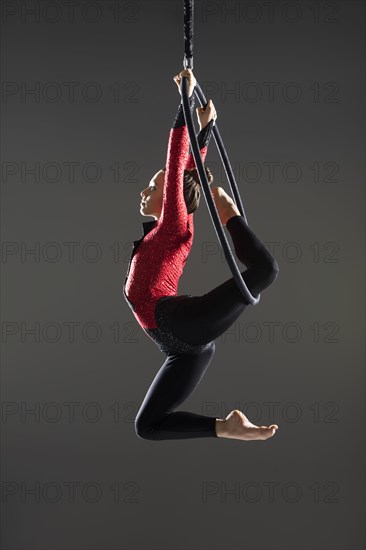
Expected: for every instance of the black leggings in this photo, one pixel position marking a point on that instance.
(199, 320)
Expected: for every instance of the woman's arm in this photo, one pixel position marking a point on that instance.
(174, 215)
(203, 138)
(206, 118)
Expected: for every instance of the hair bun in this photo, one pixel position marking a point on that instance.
(192, 187)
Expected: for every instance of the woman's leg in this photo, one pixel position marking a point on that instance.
(176, 380)
(201, 319)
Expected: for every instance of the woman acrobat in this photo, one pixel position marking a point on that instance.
(185, 327)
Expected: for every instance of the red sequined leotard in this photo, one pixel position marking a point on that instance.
(158, 257)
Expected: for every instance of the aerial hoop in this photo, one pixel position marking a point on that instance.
(188, 64)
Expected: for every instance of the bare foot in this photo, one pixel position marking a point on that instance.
(237, 426)
(225, 205)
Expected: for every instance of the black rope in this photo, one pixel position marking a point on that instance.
(188, 34)
(188, 63)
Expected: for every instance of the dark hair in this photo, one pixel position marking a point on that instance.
(192, 187)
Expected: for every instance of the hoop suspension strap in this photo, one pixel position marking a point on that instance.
(188, 34)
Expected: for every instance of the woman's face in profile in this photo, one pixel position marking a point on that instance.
(152, 196)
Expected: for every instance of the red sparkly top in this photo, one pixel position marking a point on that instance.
(158, 257)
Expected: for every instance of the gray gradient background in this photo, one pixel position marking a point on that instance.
(162, 504)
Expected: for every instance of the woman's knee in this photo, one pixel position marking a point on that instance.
(273, 269)
(140, 427)
(143, 428)
(267, 272)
